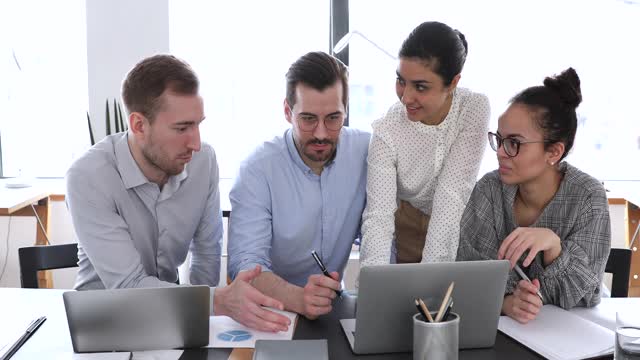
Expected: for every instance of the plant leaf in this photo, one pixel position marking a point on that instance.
(107, 119)
(115, 115)
(93, 141)
(123, 124)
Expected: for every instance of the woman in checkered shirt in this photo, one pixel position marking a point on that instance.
(537, 210)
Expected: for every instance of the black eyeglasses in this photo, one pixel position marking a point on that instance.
(309, 123)
(511, 145)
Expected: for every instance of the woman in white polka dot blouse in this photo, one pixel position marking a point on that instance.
(424, 154)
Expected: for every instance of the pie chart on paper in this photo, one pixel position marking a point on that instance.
(235, 335)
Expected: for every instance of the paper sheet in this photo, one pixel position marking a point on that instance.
(604, 313)
(554, 334)
(225, 332)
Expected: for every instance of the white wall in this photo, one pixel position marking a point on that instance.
(119, 34)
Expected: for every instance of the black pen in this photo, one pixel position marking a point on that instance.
(35, 324)
(446, 313)
(323, 269)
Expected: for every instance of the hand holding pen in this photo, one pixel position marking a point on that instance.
(319, 292)
(526, 278)
(323, 269)
(524, 304)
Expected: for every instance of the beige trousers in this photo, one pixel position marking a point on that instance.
(411, 232)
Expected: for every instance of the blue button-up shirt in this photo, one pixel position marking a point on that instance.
(281, 210)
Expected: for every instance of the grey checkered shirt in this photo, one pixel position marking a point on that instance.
(578, 214)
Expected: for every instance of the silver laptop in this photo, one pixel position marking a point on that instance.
(386, 296)
(138, 319)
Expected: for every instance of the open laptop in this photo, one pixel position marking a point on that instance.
(138, 319)
(385, 303)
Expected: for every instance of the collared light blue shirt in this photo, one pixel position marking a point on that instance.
(281, 210)
(133, 234)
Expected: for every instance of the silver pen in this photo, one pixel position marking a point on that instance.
(525, 277)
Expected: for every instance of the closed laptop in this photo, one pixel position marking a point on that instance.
(138, 319)
(291, 350)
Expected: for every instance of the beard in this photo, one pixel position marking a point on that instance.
(314, 155)
(161, 160)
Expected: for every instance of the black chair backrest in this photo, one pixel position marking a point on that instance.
(35, 258)
(619, 265)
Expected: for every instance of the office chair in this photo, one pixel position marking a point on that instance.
(35, 258)
(619, 265)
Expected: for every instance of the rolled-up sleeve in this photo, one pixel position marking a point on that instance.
(250, 224)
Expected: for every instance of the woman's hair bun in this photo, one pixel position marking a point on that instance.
(567, 86)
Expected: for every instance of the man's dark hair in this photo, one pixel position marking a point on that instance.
(319, 71)
(147, 81)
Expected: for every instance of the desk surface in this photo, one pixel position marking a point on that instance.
(329, 327)
(12, 200)
(16, 198)
(52, 340)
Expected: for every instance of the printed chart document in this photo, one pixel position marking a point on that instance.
(225, 332)
(558, 334)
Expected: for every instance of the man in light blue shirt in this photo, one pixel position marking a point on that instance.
(142, 199)
(303, 191)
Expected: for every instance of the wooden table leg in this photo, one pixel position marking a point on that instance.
(633, 219)
(43, 209)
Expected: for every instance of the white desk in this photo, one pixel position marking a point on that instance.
(52, 340)
(17, 202)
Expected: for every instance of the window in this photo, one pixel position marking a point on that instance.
(241, 51)
(514, 48)
(43, 92)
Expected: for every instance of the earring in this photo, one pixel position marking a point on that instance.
(552, 163)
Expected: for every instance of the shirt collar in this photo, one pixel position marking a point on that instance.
(129, 170)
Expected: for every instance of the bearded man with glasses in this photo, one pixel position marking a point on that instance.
(302, 191)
